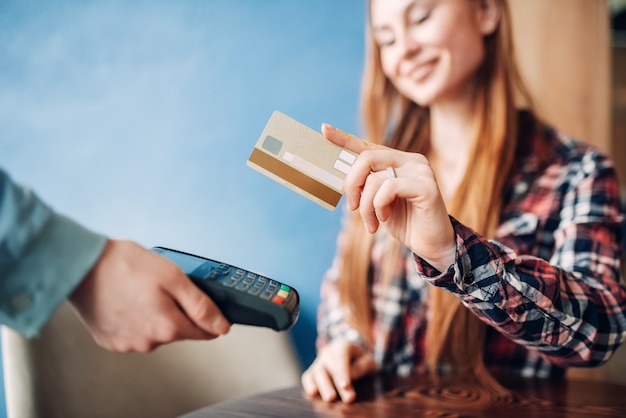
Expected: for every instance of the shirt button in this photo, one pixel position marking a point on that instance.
(469, 278)
(521, 187)
(21, 301)
(520, 309)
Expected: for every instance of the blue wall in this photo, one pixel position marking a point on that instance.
(136, 119)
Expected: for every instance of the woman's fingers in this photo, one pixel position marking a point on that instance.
(344, 139)
(368, 162)
(368, 174)
(398, 189)
(373, 183)
(318, 379)
(363, 366)
(308, 384)
(332, 373)
(323, 383)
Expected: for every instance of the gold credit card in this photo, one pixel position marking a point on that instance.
(301, 159)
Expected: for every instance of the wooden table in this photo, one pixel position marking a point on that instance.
(417, 396)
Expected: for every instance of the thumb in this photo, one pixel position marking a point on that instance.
(344, 139)
(362, 366)
(199, 307)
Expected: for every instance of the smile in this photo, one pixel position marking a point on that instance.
(422, 70)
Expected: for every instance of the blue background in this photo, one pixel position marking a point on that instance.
(136, 119)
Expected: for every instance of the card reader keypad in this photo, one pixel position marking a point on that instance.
(242, 296)
(249, 282)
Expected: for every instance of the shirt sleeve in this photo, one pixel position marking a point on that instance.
(571, 307)
(332, 315)
(43, 257)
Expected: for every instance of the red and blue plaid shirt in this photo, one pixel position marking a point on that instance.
(547, 286)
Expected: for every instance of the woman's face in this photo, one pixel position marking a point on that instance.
(432, 49)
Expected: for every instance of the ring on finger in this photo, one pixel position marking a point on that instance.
(391, 173)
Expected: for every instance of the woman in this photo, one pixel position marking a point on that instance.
(499, 247)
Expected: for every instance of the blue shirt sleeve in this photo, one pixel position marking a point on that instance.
(43, 257)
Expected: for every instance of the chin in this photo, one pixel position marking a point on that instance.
(424, 95)
(423, 99)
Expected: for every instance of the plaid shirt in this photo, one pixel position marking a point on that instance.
(547, 285)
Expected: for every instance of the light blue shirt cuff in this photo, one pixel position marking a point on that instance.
(53, 265)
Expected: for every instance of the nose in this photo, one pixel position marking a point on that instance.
(408, 42)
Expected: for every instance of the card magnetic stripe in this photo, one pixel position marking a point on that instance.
(295, 177)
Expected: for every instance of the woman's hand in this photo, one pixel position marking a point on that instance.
(399, 190)
(335, 368)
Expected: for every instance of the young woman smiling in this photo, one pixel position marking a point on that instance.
(480, 239)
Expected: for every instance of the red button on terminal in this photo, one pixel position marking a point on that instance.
(278, 300)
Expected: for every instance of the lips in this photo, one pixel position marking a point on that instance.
(421, 70)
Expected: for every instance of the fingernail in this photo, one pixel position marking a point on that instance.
(221, 325)
(329, 396)
(348, 396)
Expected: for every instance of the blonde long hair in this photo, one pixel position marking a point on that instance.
(454, 334)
